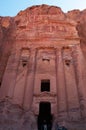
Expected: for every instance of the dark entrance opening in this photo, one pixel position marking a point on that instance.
(45, 85)
(44, 117)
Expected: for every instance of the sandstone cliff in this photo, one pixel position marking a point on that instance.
(80, 18)
(28, 25)
(10, 28)
(6, 41)
(16, 27)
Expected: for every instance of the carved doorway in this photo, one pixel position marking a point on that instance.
(44, 117)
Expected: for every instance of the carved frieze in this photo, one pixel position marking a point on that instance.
(45, 96)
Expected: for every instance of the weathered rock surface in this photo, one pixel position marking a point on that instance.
(6, 42)
(50, 39)
(18, 26)
(80, 18)
(13, 117)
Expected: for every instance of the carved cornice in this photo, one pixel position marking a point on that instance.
(45, 94)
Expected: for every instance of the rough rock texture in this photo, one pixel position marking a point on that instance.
(13, 117)
(10, 27)
(6, 41)
(80, 18)
(40, 44)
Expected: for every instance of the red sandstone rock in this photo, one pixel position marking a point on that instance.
(43, 44)
(80, 18)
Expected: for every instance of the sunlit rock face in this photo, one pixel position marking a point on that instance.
(80, 18)
(43, 69)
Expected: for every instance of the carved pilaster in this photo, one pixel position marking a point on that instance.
(81, 79)
(21, 76)
(28, 95)
(71, 86)
(61, 92)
